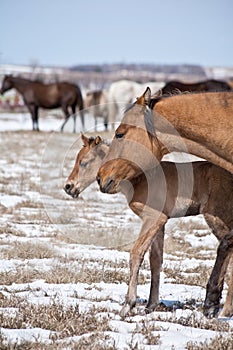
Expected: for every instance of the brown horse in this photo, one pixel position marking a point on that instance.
(96, 101)
(175, 86)
(36, 94)
(211, 189)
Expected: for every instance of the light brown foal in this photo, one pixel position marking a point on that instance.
(155, 197)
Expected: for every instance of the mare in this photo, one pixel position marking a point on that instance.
(49, 96)
(210, 193)
(96, 102)
(122, 92)
(208, 85)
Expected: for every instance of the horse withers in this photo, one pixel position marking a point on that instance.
(49, 96)
(210, 183)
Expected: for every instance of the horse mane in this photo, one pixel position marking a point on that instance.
(25, 80)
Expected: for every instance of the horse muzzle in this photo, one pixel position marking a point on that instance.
(71, 190)
(106, 186)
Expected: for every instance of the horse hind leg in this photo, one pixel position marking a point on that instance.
(67, 115)
(81, 112)
(227, 310)
(215, 283)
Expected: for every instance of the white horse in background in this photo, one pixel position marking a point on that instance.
(123, 92)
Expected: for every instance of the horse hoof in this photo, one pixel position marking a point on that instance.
(211, 312)
(125, 311)
(149, 309)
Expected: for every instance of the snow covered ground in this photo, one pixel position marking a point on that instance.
(64, 262)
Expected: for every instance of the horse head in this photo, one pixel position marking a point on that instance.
(135, 147)
(7, 84)
(87, 163)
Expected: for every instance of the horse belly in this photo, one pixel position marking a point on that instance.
(49, 98)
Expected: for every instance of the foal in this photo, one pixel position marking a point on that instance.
(211, 196)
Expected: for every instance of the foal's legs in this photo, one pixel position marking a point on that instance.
(150, 228)
(156, 260)
(215, 283)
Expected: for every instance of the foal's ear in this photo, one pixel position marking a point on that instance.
(144, 100)
(85, 140)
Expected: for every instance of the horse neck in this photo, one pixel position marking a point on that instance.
(20, 84)
(187, 123)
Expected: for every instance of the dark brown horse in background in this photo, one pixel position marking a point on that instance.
(49, 96)
(175, 86)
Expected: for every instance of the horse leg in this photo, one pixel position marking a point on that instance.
(227, 310)
(150, 228)
(67, 115)
(81, 111)
(36, 118)
(156, 260)
(112, 113)
(74, 117)
(34, 115)
(215, 283)
(106, 122)
(220, 230)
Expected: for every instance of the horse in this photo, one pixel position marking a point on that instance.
(96, 102)
(208, 85)
(122, 92)
(210, 193)
(36, 94)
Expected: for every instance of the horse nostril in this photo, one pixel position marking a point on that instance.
(98, 180)
(68, 187)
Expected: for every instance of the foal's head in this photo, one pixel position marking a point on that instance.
(87, 163)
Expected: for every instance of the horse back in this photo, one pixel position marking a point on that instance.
(183, 189)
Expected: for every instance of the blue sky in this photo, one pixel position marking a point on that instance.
(69, 32)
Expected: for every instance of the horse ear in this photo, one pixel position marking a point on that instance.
(144, 100)
(157, 94)
(98, 140)
(85, 140)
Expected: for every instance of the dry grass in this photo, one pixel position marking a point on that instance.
(197, 276)
(65, 321)
(21, 275)
(220, 342)
(8, 230)
(28, 250)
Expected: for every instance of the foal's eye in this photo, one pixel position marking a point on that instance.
(83, 164)
(119, 135)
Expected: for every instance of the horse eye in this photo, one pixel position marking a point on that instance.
(119, 135)
(83, 164)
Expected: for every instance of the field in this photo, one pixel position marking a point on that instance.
(64, 262)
